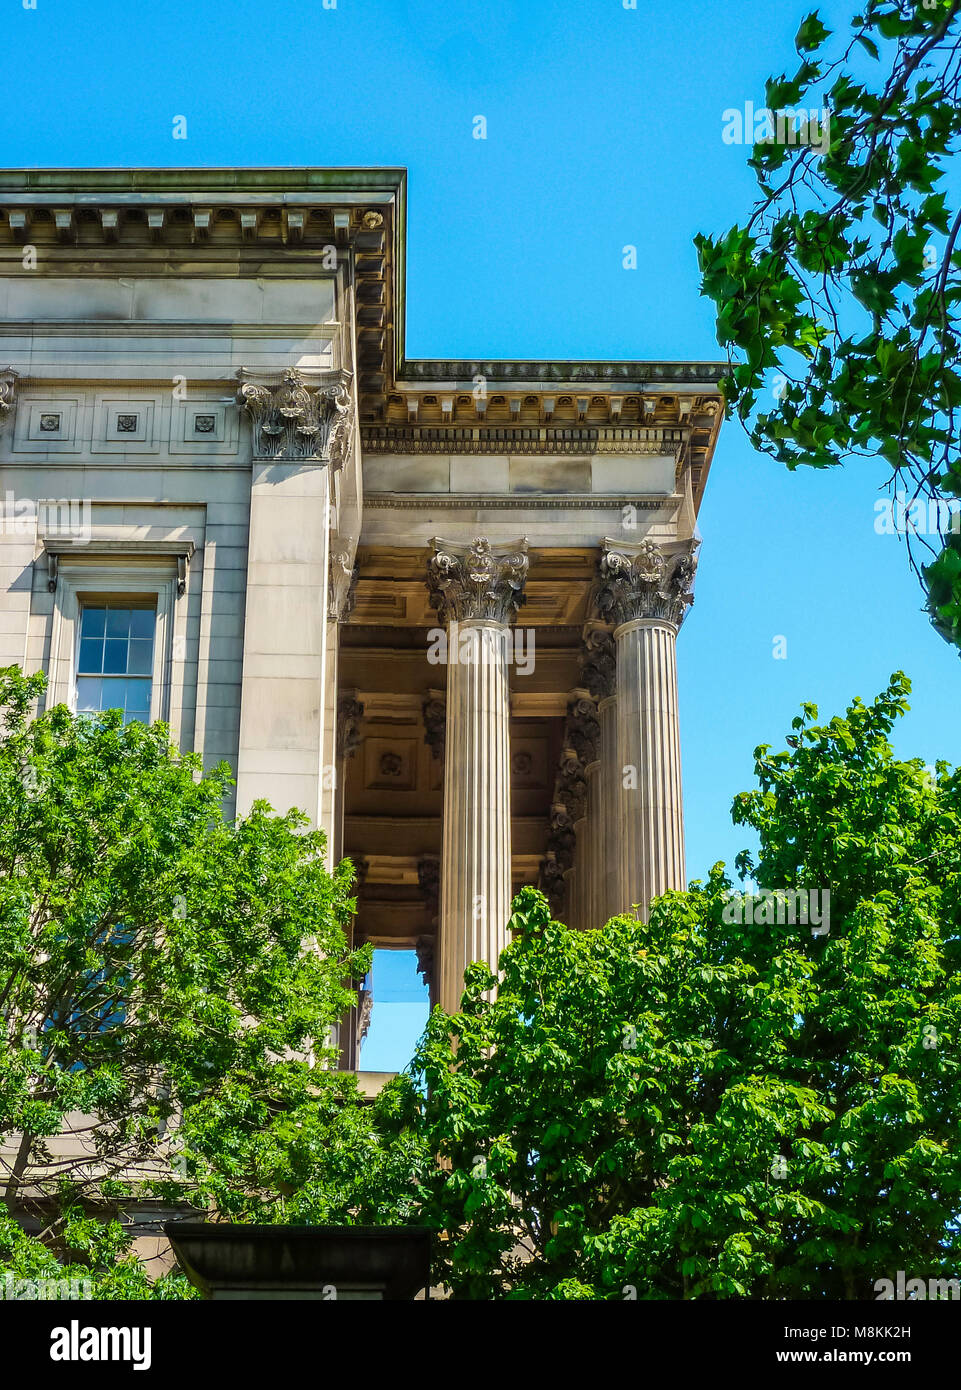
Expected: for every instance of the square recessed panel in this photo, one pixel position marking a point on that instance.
(203, 427)
(390, 764)
(48, 424)
(528, 763)
(125, 426)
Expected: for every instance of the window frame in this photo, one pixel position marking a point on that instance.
(82, 582)
(122, 603)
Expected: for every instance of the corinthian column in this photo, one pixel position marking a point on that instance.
(476, 590)
(646, 591)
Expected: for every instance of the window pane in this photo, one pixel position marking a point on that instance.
(114, 656)
(92, 622)
(401, 1005)
(88, 695)
(113, 694)
(138, 696)
(140, 661)
(123, 653)
(91, 654)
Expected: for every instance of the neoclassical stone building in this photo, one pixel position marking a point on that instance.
(434, 604)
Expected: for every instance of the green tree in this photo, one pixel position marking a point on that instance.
(720, 1104)
(844, 281)
(168, 984)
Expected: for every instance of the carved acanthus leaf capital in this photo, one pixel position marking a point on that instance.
(300, 419)
(477, 580)
(645, 581)
(8, 392)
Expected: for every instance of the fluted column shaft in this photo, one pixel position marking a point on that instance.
(476, 862)
(647, 589)
(476, 590)
(649, 754)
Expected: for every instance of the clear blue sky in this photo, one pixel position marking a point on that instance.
(604, 128)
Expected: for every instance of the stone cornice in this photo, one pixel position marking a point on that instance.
(645, 581)
(277, 221)
(478, 580)
(188, 219)
(461, 374)
(520, 501)
(275, 181)
(654, 420)
(389, 440)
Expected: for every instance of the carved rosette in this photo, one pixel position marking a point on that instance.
(350, 711)
(641, 581)
(295, 421)
(477, 580)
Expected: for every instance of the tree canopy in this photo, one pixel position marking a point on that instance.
(722, 1102)
(169, 980)
(839, 296)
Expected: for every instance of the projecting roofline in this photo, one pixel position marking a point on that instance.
(181, 182)
(291, 214)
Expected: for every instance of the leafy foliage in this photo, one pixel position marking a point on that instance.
(845, 282)
(706, 1108)
(168, 983)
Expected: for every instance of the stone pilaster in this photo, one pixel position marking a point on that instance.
(300, 431)
(646, 590)
(342, 579)
(476, 590)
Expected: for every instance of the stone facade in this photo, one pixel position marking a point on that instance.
(433, 604)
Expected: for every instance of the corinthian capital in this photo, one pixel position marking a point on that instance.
(8, 390)
(300, 420)
(644, 581)
(477, 580)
